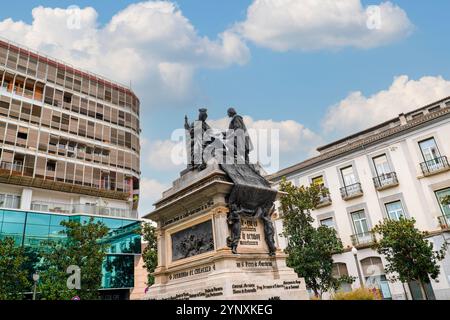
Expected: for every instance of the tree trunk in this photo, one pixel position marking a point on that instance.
(316, 293)
(422, 289)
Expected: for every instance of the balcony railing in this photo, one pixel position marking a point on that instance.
(8, 166)
(385, 180)
(324, 200)
(363, 239)
(434, 166)
(82, 209)
(351, 191)
(18, 169)
(444, 222)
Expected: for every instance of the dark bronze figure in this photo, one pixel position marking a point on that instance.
(196, 142)
(251, 196)
(241, 143)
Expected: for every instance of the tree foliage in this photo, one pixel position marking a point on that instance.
(409, 254)
(82, 248)
(150, 253)
(13, 274)
(309, 249)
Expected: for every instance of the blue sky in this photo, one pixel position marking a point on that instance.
(298, 83)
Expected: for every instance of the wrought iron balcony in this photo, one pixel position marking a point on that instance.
(385, 180)
(435, 165)
(351, 191)
(324, 200)
(444, 222)
(363, 239)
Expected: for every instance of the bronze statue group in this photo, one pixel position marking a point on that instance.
(251, 196)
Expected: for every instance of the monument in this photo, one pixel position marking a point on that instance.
(216, 238)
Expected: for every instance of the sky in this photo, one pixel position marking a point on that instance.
(314, 70)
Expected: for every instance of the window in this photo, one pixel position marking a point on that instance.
(340, 270)
(360, 223)
(348, 176)
(429, 149)
(318, 181)
(67, 97)
(381, 165)
(440, 195)
(327, 223)
(22, 135)
(51, 165)
(394, 210)
(374, 274)
(9, 201)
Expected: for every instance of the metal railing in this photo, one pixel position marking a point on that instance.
(20, 169)
(385, 180)
(365, 238)
(324, 200)
(434, 165)
(9, 166)
(352, 190)
(16, 168)
(67, 208)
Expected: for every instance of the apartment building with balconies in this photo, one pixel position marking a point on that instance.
(397, 168)
(69, 149)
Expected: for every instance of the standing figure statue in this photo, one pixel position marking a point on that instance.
(196, 142)
(238, 138)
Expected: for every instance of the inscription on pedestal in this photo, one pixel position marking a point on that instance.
(252, 235)
(192, 272)
(254, 264)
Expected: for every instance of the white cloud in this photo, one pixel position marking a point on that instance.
(165, 155)
(358, 112)
(284, 25)
(150, 191)
(150, 42)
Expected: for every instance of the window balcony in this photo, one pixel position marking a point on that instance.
(351, 191)
(324, 201)
(363, 239)
(444, 222)
(12, 168)
(385, 181)
(66, 208)
(435, 166)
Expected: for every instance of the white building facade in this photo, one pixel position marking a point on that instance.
(397, 168)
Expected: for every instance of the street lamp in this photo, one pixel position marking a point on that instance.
(355, 254)
(35, 279)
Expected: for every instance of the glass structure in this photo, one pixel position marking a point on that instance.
(33, 230)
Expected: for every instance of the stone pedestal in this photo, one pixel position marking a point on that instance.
(194, 261)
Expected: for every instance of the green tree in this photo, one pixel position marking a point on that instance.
(409, 254)
(13, 274)
(310, 250)
(150, 253)
(82, 248)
